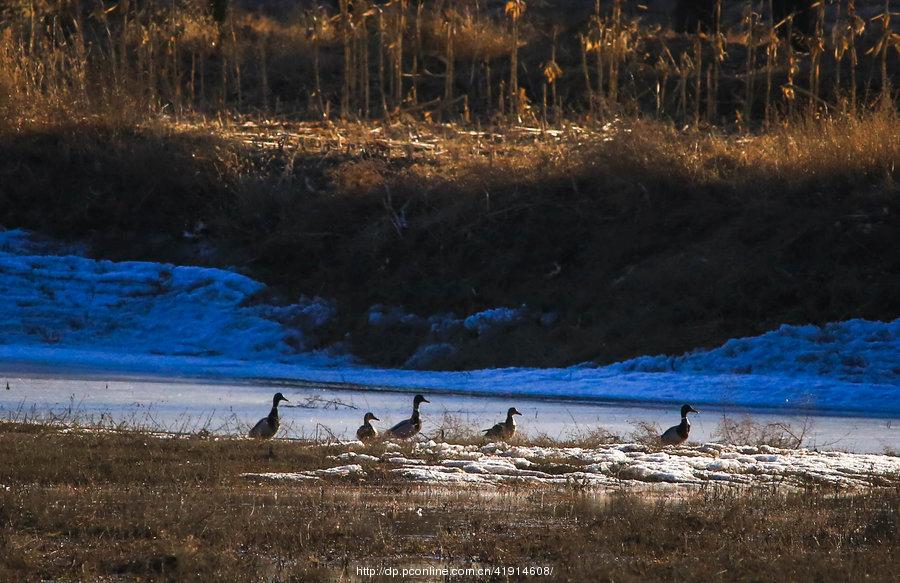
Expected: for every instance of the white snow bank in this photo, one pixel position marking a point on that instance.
(336, 472)
(143, 308)
(628, 465)
(59, 312)
(855, 350)
(351, 455)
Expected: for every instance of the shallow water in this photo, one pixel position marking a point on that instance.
(323, 412)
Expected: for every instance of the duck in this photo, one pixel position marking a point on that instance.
(366, 432)
(505, 429)
(267, 427)
(408, 427)
(678, 434)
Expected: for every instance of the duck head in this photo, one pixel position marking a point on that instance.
(370, 417)
(512, 411)
(419, 399)
(277, 398)
(685, 409)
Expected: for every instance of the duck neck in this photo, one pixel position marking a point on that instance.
(273, 414)
(685, 424)
(510, 420)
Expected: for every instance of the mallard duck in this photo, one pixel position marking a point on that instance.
(408, 427)
(366, 432)
(678, 434)
(505, 429)
(267, 427)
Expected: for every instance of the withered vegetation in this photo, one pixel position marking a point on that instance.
(132, 506)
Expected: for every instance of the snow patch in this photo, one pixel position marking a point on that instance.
(625, 465)
(143, 308)
(493, 319)
(426, 355)
(350, 455)
(353, 470)
(855, 351)
(381, 316)
(629, 465)
(307, 313)
(22, 242)
(444, 325)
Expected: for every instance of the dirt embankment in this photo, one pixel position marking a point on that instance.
(618, 241)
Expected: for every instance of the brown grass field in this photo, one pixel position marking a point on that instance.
(130, 506)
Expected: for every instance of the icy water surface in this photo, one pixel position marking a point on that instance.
(323, 412)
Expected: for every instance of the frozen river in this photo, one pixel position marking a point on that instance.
(321, 411)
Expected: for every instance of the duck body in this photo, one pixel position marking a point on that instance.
(408, 427)
(503, 430)
(678, 434)
(267, 427)
(366, 433)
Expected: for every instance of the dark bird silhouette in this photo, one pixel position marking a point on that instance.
(504, 429)
(267, 427)
(408, 427)
(678, 434)
(366, 432)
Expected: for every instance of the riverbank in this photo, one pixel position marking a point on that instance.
(443, 246)
(63, 311)
(141, 507)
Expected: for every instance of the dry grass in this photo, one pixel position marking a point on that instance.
(136, 507)
(646, 433)
(456, 429)
(577, 436)
(745, 431)
(376, 60)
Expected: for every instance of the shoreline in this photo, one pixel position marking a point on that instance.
(23, 369)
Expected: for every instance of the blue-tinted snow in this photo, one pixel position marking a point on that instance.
(68, 311)
(493, 319)
(142, 308)
(856, 350)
